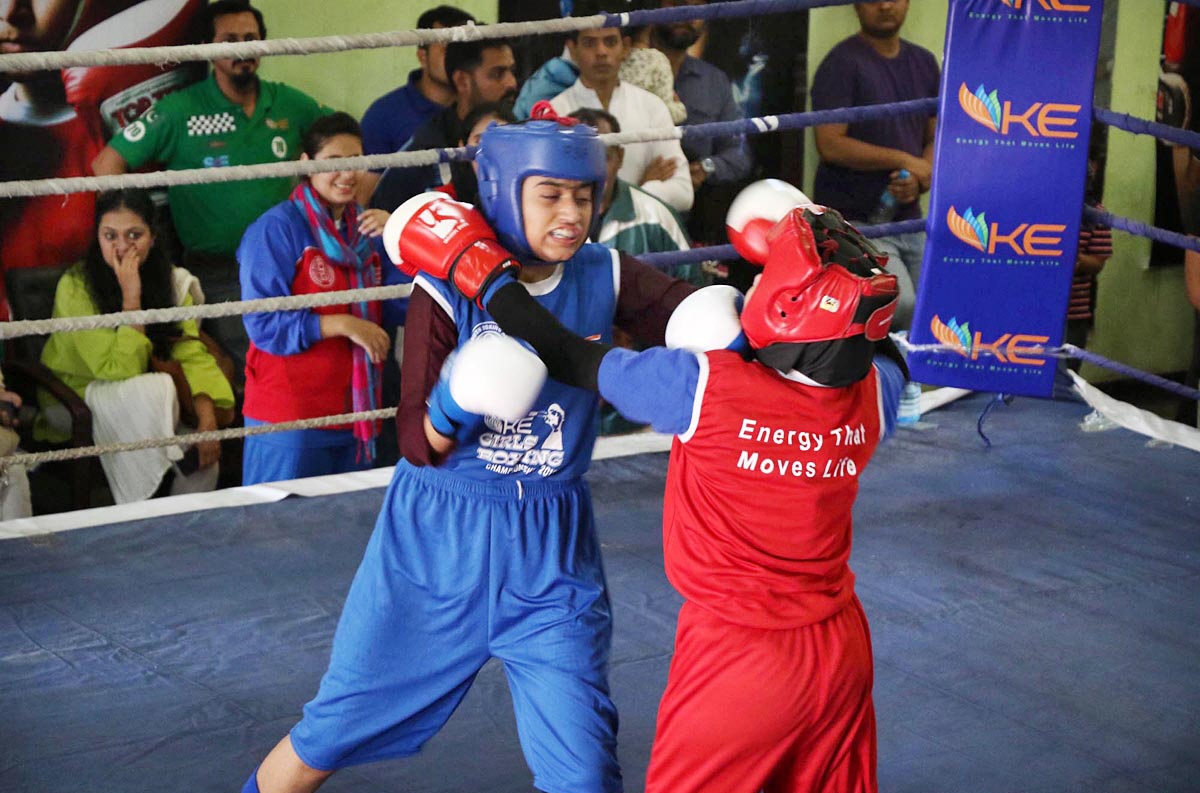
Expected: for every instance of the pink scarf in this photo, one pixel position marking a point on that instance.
(352, 252)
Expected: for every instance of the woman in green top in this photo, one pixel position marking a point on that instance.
(125, 270)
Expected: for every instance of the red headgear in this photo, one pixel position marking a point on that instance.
(807, 295)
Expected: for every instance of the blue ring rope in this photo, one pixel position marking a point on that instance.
(1137, 374)
(725, 10)
(668, 259)
(994, 402)
(1140, 229)
(1141, 126)
(755, 126)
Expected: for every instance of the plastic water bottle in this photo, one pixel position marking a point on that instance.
(909, 412)
(886, 211)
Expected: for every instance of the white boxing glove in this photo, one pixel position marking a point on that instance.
(708, 319)
(115, 96)
(755, 212)
(490, 375)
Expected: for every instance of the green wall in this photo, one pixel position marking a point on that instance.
(1143, 318)
(349, 81)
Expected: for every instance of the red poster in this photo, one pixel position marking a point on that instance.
(53, 123)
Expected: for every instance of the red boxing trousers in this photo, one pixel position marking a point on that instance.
(780, 711)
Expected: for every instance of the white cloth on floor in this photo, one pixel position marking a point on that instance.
(136, 409)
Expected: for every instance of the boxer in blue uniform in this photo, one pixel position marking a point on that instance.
(486, 544)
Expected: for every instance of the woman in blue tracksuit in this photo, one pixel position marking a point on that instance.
(325, 360)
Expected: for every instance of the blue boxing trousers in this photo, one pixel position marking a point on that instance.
(456, 572)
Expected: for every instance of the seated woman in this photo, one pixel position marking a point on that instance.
(137, 379)
(326, 360)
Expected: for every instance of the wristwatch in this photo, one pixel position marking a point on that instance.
(708, 166)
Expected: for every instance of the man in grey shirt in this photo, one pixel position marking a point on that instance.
(719, 166)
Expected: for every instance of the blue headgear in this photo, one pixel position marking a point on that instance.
(509, 154)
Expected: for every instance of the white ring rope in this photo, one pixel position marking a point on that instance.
(229, 308)
(246, 50)
(1037, 349)
(34, 458)
(273, 170)
(30, 459)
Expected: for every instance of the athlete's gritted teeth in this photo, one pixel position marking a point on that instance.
(566, 235)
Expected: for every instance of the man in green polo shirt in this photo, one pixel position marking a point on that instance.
(231, 118)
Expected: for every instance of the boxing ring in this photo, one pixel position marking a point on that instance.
(1033, 608)
(1033, 599)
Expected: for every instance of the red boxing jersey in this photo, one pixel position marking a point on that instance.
(311, 382)
(757, 516)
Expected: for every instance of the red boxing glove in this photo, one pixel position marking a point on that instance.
(755, 212)
(109, 98)
(447, 239)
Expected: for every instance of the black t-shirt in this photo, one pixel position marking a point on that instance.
(397, 185)
(1191, 222)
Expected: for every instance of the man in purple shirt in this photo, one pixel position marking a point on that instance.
(860, 161)
(392, 118)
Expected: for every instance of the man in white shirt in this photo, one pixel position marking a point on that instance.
(658, 167)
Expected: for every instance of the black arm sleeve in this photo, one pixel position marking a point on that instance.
(568, 357)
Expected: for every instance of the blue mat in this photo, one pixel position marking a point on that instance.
(1035, 608)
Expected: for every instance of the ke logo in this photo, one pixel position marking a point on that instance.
(1049, 5)
(1039, 119)
(1006, 349)
(1027, 239)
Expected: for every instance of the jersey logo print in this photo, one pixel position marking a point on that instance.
(212, 124)
(554, 418)
(532, 446)
(320, 273)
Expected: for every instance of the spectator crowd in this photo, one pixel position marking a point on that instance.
(271, 237)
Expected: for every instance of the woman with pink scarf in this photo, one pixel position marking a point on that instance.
(325, 360)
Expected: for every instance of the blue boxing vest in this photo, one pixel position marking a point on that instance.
(555, 439)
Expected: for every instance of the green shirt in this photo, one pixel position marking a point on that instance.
(198, 127)
(637, 222)
(81, 356)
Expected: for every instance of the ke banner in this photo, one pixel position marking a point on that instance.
(1010, 163)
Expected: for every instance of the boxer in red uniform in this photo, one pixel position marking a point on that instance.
(776, 413)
